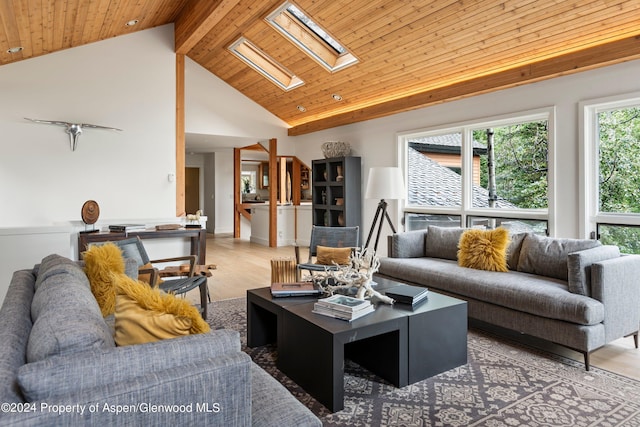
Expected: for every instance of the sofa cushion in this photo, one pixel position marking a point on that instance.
(537, 295)
(410, 244)
(442, 242)
(513, 250)
(547, 256)
(100, 262)
(15, 326)
(86, 371)
(484, 249)
(66, 319)
(145, 315)
(579, 266)
(55, 264)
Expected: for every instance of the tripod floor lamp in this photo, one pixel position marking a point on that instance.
(384, 183)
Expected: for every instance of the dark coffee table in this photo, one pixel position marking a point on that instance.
(397, 343)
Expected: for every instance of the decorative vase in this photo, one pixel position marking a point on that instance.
(341, 219)
(339, 170)
(336, 149)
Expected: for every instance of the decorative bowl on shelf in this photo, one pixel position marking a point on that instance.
(332, 149)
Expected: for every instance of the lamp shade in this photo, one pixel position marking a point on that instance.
(385, 182)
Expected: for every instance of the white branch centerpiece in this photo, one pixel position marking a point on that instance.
(358, 274)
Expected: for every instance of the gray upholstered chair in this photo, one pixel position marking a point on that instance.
(333, 237)
(133, 248)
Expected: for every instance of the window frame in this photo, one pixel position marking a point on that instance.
(591, 216)
(466, 209)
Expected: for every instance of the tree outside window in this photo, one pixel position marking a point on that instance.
(618, 151)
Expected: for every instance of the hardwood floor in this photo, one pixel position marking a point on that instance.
(243, 265)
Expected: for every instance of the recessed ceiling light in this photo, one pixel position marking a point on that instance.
(15, 49)
(301, 108)
(131, 23)
(336, 97)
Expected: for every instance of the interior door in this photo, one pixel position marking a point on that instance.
(192, 190)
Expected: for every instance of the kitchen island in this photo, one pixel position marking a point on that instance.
(293, 222)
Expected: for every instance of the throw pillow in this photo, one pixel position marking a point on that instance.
(327, 256)
(513, 250)
(484, 249)
(547, 256)
(100, 262)
(144, 314)
(146, 277)
(442, 242)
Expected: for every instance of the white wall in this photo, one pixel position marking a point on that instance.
(224, 192)
(212, 107)
(126, 82)
(215, 108)
(376, 140)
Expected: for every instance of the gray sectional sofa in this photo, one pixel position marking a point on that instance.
(59, 366)
(573, 292)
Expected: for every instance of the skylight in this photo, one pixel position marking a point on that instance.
(314, 40)
(315, 28)
(264, 64)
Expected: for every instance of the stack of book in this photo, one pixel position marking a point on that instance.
(126, 227)
(343, 307)
(295, 289)
(407, 294)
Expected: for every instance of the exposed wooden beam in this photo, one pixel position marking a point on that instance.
(255, 147)
(626, 49)
(237, 169)
(273, 192)
(196, 19)
(180, 138)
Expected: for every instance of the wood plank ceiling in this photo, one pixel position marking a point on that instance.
(411, 53)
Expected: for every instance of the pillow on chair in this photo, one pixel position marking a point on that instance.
(100, 262)
(143, 314)
(327, 256)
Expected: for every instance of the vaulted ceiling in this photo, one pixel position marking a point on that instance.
(411, 53)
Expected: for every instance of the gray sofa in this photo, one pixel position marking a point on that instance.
(573, 292)
(60, 366)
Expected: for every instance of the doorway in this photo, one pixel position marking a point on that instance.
(192, 190)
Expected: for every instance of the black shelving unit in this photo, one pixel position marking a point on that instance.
(337, 189)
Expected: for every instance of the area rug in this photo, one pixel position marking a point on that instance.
(503, 384)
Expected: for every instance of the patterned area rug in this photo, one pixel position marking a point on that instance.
(504, 384)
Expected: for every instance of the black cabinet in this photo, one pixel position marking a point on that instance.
(337, 194)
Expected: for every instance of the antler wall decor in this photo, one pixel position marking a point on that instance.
(73, 129)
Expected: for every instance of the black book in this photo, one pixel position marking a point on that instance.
(407, 294)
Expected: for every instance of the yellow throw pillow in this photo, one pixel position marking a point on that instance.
(146, 315)
(100, 262)
(327, 256)
(484, 249)
(146, 277)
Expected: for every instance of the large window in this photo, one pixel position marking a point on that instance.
(488, 173)
(612, 165)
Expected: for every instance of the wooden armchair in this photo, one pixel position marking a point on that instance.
(133, 248)
(331, 237)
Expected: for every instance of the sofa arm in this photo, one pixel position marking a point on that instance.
(410, 244)
(614, 282)
(73, 373)
(215, 391)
